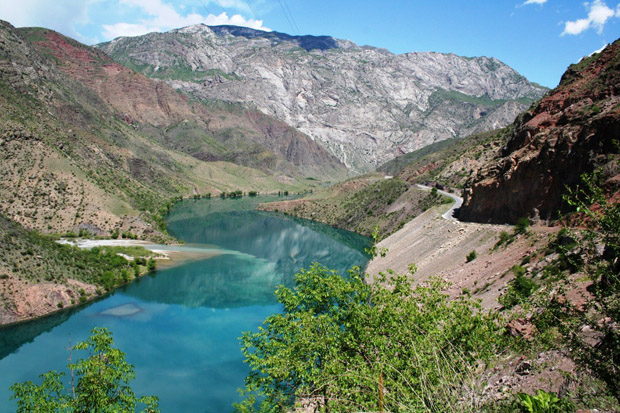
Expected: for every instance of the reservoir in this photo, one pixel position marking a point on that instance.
(180, 326)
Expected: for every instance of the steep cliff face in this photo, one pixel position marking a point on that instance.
(570, 131)
(365, 105)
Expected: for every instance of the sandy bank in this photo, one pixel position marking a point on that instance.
(167, 255)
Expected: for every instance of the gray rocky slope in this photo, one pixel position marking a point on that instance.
(364, 104)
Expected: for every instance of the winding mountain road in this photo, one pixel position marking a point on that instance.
(458, 201)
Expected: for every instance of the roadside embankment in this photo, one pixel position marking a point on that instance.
(439, 247)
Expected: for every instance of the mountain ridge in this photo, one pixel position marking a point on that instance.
(365, 105)
(571, 131)
(84, 146)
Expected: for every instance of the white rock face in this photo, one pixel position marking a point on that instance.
(366, 105)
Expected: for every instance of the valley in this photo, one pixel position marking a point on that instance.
(407, 224)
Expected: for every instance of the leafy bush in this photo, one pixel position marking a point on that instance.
(522, 226)
(543, 402)
(518, 289)
(102, 383)
(471, 256)
(346, 345)
(505, 238)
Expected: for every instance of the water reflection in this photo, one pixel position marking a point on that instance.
(270, 250)
(221, 282)
(180, 326)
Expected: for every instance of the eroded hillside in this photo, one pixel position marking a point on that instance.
(87, 143)
(571, 131)
(364, 104)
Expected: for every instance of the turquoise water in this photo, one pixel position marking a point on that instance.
(180, 326)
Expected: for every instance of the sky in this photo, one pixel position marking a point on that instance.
(538, 38)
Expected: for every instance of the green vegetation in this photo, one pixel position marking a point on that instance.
(346, 345)
(602, 313)
(444, 162)
(231, 194)
(38, 258)
(521, 228)
(505, 238)
(574, 293)
(543, 402)
(518, 289)
(432, 199)
(441, 95)
(177, 71)
(471, 256)
(101, 383)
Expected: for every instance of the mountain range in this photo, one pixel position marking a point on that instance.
(87, 142)
(363, 104)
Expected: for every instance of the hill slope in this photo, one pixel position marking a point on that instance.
(365, 105)
(89, 143)
(571, 131)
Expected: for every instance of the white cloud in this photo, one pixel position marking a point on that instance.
(163, 23)
(598, 14)
(541, 2)
(61, 16)
(163, 17)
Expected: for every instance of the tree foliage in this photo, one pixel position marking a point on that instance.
(102, 383)
(342, 344)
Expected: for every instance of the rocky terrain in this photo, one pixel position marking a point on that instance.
(571, 131)
(87, 143)
(364, 104)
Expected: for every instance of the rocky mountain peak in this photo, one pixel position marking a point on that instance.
(364, 105)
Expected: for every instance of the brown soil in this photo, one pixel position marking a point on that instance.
(25, 300)
(438, 247)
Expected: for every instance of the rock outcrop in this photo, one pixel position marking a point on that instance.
(571, 131)
(364, 104)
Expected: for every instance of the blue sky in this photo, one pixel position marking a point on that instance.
(538, 38)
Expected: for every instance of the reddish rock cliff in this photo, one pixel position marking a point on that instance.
(570, 131)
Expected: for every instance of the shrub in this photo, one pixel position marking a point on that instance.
(472, 256)
(543, 402)
(102, 383)
(340, 341)
(518, 289)
(522, 226)
(505, 238)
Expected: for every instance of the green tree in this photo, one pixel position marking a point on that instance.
(346, 345)
(102, 383)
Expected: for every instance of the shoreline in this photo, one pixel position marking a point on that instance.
(167, 256)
